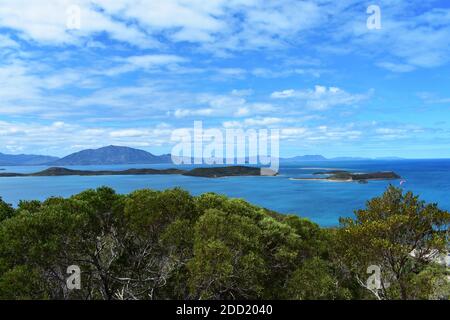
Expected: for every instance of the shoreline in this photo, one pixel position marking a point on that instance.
(346, 176)
(320, 179)
(208, 172)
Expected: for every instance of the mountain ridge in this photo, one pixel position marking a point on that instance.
(25, 159)
(111, 155)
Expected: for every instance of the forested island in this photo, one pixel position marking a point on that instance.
(172, 245)
(341, 175)
(212, 172)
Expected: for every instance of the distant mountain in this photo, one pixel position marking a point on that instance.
(390, 158)
(349, 158)
(307, 158)
(111, 155)
(24, 159)
(322, 158)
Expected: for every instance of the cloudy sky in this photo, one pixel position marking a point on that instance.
(133, 71)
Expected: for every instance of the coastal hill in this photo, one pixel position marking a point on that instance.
(349, 176)
(111, 155)
(24, 159)
(341, 175)
(215, 172)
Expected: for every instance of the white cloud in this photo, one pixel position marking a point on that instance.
(218, 26)
(430, 98)
(394, 67)
(405, 131)
(60, 138)
(283, 94)
(153, 62)
(7, 42)
(293, 132)
(181, 113)
(231, 72)
(127, 133)
(225, 105)
(263, 121)
(414, 35)
(242, 93)
(175, 47)
(321, 97)
(21, 91)
(224, 26)
(46, 22)
(254, 122)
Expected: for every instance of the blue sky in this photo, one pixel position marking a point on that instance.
(136, 70)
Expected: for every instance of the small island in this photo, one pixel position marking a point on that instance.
(346, 176)
(212, 172)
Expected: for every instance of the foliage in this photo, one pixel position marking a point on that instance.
(400, 234)
(171, 245)
(6, 211)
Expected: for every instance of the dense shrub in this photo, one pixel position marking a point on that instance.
(171, 245)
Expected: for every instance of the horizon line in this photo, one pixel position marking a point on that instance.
(284, 157)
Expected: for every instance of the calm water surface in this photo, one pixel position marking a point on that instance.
(321, 201)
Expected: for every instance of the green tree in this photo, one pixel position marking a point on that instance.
(398, 233)
(314, 280)
(6, 210)
(30, 206)
(170, 245)
(227, 262)
(41, 246)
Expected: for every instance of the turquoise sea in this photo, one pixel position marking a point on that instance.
(321, 201)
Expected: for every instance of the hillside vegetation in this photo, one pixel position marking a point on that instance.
(171, 245)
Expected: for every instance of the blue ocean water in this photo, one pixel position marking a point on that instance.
(321, 201)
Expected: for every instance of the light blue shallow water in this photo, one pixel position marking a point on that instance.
(323, 202)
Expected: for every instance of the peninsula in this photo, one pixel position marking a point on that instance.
(213, 172)
(346, 176)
